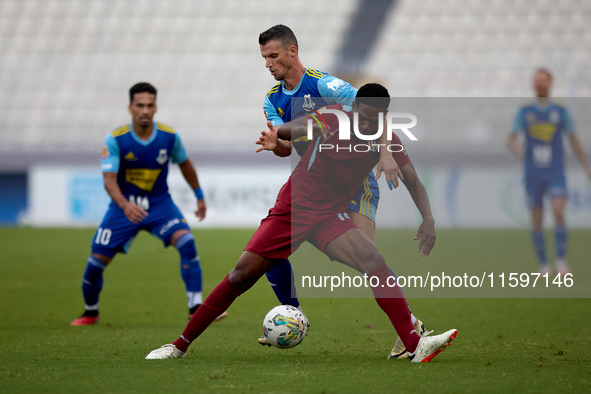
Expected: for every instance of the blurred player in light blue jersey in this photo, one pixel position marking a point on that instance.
(544, 123)
(279, 48)
(135, 167)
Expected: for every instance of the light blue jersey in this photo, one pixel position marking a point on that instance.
(544, 154)
(142, 166)
(543, 128)
(320, 88)
(142, 169)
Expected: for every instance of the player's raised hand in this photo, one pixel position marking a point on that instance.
(426, 237)
(268, 139)
(201, 208)
(388, 166)
(134, 213)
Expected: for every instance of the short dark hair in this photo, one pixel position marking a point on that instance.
(141, 87)
(374, 95)
(278, 33)
(545, 71)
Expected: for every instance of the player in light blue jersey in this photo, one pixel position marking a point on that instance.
(544, 124)
(135, 167)
(279, 48)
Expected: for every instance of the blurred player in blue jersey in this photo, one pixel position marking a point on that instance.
(135, 167)
(544, 123)
(279, 48)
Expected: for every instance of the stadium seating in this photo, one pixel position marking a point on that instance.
(66, 65)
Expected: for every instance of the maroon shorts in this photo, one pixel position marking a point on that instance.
(283, 231)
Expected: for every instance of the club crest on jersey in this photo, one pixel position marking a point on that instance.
(162, 157)
(309, 104)
(130, 156)
(105, 153)
(530, 117)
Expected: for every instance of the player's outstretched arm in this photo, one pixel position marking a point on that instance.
(190, 175)
(426, 233)
(514, 146)
(132, 212)
(576, 145)
(299, 128)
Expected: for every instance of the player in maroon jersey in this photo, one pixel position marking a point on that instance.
(312, 206)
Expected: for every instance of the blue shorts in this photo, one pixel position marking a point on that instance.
(116, 233)
(536, 187)
(366, 198)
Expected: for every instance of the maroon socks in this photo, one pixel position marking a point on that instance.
(214, 305)
(392, 301)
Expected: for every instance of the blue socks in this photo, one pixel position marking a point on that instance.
(190, 263)
(560, 235)
(539, 246)
(281, 280)
(92, 283)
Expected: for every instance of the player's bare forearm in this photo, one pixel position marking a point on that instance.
(578, 150)
(298, 128)
(514, 146)
(283, 148)
(113, 189)
(387, 164)
(189, 173)
(426, 233)
(417, 191)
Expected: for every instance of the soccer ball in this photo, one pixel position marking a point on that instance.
(285, 326)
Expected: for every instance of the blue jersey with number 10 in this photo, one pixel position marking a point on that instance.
(544, 128)
(317, 89)
(142, 166)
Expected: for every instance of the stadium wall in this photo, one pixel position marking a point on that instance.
(239, 197)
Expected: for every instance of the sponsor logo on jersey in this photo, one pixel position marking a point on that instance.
(279, 111)
(130, 156)
(309, 104)
(542, 131)
(169, 225)
(143, 178)
(542, 154)
(162, 157)
(530, 117)
(335, 84)
(106, 153)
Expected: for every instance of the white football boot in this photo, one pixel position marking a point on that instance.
(562, 267)
(399, 350)
(429, 347)
(166, 351)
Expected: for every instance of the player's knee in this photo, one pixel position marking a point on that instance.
(248, 270)
(186, 246)
(372, 262)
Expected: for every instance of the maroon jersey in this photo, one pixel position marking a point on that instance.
(326, 178)
(312, 204)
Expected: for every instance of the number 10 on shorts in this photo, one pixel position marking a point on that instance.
(103, 236)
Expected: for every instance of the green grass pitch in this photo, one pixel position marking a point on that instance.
(504, 345)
